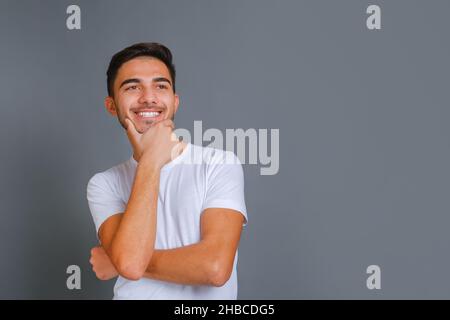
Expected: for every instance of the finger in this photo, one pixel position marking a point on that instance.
(130, 125)
(166, 122)
(132, 133)
(172, 127)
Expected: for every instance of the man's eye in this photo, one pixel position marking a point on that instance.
(131, 88)
(162, 86)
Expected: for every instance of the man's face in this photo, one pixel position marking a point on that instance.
(143, 93)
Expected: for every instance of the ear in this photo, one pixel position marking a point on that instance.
(110, 106)
(177, 102)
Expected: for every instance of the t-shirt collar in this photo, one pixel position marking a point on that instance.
(171, 163)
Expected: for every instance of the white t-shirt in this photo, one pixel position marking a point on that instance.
(199, 178)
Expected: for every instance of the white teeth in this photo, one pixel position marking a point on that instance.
(148, 114)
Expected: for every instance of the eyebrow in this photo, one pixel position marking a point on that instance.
(136, 80)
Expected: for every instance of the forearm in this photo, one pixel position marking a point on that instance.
(189, 265)
(132, 245)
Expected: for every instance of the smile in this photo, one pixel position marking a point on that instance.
(148, 114)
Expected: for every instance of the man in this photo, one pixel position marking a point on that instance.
(169, 219)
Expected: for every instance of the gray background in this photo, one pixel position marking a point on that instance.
(364, 140)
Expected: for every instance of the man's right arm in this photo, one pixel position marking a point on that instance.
(130, 248)
(130, 242)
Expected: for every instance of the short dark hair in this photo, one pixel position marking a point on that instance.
(149, 49)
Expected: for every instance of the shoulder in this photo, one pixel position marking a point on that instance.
(110, 177)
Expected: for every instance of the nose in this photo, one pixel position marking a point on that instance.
(148, 96)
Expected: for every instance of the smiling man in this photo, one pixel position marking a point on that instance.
(169, 219)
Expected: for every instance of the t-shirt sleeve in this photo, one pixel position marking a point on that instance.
(225, 185)
(103, 199)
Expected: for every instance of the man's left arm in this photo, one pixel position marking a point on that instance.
(208, 262)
